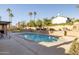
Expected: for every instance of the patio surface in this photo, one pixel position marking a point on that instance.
(18, 46)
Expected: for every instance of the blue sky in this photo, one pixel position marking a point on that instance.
(20, 11)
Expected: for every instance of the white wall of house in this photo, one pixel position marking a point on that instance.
(59, 20)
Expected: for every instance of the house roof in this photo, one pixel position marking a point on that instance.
(4, 22)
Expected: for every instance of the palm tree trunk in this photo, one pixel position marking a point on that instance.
(10, 19)
(34, 17)
(30, 17)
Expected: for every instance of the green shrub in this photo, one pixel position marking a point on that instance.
(74, 49)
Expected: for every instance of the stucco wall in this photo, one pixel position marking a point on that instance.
(61, 27)
(59, 20)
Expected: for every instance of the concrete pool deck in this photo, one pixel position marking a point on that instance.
(18, 46)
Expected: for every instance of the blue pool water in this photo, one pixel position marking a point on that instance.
(39, 37)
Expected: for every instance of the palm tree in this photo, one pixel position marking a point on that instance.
(9, 11)
(35, 15)
(30, 14)
(0, 18)
(11, 16)
(10, 19)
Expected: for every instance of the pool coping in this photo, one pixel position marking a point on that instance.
(21, 40)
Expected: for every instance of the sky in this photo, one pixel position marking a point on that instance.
(20, 11)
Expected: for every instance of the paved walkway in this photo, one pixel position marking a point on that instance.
(18, 46)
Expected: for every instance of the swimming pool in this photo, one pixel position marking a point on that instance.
(39, 37)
